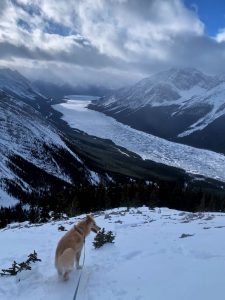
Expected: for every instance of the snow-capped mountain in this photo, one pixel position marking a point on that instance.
(184, 105)
(14, 83)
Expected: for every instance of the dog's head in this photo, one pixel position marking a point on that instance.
(91, 222)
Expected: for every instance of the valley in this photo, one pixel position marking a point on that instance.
(192, 160)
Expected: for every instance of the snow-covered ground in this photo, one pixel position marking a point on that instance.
(149, 259)
(6, 200)
(193, 160)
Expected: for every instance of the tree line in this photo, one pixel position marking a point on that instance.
(51, 203)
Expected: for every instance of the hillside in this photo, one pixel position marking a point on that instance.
(33, 154)
(149, 259)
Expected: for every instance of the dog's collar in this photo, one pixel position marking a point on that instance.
(79, 230)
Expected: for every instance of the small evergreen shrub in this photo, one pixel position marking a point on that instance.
(62, 228)
(57, 216)
(19, 267)
(185, 235)
(103, 237)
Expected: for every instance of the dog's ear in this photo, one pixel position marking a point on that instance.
(89, 218)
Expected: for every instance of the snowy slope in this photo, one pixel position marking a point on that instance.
(174, 86)
(26, 134)
(172, 104)
(215, 98)
(22, 129)
(165, 88)
(149, 260)
(193, 160)
(13, 82)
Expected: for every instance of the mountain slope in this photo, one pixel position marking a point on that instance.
(32, 149)
(178, 104)
(149, 259)
(13, 83)
(16, 84)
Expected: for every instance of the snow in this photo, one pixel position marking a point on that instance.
(148, 260)
(193, 160)
(216, 99)
(82, 97)
(13, 82)
(95, 179)
(187, 96)
(5, 199)
(124, 153)
(24, 133)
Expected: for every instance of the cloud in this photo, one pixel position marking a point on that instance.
(3, 5)
(124, 39)
(129, 29)
(220, 37)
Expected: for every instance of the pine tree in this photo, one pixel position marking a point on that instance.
(103, 238)
(18, 267)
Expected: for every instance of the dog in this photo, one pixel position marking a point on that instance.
(69, 247)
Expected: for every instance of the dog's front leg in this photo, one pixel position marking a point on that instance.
(78, 260)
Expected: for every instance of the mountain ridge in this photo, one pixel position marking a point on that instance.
(175, 104)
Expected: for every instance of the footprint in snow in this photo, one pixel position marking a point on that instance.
(131, 255)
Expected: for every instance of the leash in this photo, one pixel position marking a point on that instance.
(81, 271)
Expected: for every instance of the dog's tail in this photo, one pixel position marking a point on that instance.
(64, 263)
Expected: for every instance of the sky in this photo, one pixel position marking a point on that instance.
(110, 42)
(210, 12)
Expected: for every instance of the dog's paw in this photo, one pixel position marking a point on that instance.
(79, 267)
(66, 276)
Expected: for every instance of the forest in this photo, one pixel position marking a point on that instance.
(54, 203)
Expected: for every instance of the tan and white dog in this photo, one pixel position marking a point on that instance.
(69, 247)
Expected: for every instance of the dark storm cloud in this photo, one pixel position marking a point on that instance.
(202, 52)
(30, 8)
(80, 56)
(3, 5)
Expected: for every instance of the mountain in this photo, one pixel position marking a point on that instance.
(59, 91)
(157, 253)
(34, 155)
(182, 105)
(14, 83)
